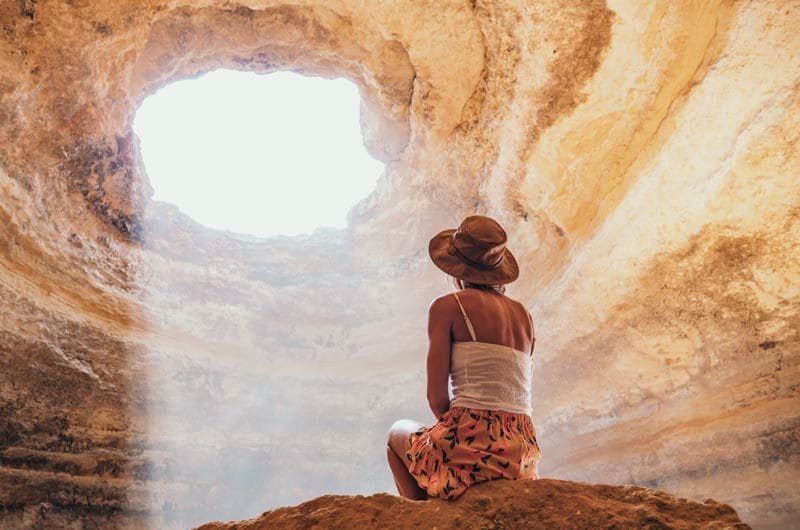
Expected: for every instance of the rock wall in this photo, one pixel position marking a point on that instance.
(642, 156)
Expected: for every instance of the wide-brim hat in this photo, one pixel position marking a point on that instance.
(475, 252)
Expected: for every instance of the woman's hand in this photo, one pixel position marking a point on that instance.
(438, 412)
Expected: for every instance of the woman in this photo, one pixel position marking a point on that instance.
(484, 341)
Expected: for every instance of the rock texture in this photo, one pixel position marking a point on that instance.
(544, 503)
(642, 155)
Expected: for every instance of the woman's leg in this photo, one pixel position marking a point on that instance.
(397, 445)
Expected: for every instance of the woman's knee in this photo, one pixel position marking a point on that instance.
(392, 432)
(397, 437)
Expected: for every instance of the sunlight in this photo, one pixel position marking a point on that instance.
(258, 154)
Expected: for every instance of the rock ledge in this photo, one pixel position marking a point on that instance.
(543, 503)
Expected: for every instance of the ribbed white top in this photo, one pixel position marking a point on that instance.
(491, 376)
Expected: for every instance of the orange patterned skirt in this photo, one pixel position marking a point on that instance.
(467, 446)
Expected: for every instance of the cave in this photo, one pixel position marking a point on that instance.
(155, 372)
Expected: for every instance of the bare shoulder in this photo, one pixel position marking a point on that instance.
(441, 304)
(524, 308)
(521, 308)
(529, 316)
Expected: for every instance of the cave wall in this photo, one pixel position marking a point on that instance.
(642, 156)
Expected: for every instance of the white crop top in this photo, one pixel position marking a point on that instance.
(490, 376)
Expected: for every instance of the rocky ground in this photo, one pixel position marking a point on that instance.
(544, 503)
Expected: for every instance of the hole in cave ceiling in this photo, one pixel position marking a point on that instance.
(265, 155)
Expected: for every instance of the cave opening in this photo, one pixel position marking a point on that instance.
(274, 325)
(263, 155)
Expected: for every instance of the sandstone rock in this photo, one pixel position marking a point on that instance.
(544, 503)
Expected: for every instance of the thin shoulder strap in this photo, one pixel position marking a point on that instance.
(466, 319)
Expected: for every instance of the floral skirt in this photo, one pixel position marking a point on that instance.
(467, 446)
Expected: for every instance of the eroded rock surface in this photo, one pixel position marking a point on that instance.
(642, 155)
(544, 503)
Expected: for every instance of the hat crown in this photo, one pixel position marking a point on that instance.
(480, 240)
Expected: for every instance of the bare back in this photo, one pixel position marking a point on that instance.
(495, 318)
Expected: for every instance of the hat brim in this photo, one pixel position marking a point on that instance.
(452, 264)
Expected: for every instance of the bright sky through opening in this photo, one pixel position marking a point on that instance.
(258, 154)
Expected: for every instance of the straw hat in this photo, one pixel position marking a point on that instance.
(475, 252)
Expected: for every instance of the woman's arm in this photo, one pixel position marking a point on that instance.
(533, 331)
(438, 357)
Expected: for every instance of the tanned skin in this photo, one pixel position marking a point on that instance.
(496, 319)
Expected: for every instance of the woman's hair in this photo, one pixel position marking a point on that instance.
(461, 284)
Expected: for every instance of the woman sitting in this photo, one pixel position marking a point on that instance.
(483, 340)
